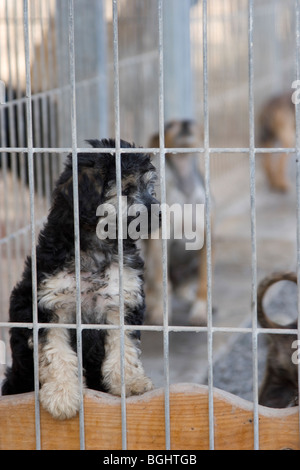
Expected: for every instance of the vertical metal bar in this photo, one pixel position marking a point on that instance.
(4, 212)
(4, 199)
(76, 220)
(11, 157)
(52, 70)
(23, 162)
(178, 73)
(20, 139)
(253, 224)
(208, 231)
(12, 132)
(119, 212)
(32, 223)
(2, 290)
(102, 85)
(5, 203)
(60, 49)
(36, 111)
(297, 156)
(164, 227)
(44, 85)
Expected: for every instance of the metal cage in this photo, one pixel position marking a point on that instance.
(73, 70)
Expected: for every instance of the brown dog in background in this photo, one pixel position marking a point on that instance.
(279, 388)
(184, 185)
(277, 128)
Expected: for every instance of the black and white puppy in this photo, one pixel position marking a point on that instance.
(56, 288)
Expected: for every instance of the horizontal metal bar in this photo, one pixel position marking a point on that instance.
(171, 328)
(148, 150)
(22, 231)
(152, 55)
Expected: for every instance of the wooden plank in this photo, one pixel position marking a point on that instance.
(233, 419)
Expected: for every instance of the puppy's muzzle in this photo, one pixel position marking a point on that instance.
(154, 215)
(149, 216)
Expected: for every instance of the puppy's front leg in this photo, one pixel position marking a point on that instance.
(58, 371)
(136, 382)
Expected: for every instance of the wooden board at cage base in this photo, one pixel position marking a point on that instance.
(145, 420)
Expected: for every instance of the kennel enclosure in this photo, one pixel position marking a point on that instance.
(57, 94)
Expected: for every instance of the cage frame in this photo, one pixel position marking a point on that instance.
(209, 394)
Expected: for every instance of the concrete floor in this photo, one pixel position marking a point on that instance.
(276, 250)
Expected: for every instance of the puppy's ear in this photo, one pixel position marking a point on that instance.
(90, 193)
(154, 141)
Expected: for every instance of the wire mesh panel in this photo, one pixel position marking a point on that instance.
(130, 69)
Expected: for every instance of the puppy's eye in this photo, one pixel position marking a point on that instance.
(127, 191)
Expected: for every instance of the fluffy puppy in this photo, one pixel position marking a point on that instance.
(279, 388)
(184, 185)
(56, 288)
(277, 128)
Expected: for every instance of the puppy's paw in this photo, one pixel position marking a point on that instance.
(140, 385)
(61, 400)
(198, 313)
(135, 383)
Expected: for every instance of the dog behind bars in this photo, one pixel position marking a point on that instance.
(184, 186)
(279, 388)
(277, 127)
(56, 288)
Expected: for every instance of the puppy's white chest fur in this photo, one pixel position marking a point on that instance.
(99, 294)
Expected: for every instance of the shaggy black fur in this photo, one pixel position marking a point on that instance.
(55, 249)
